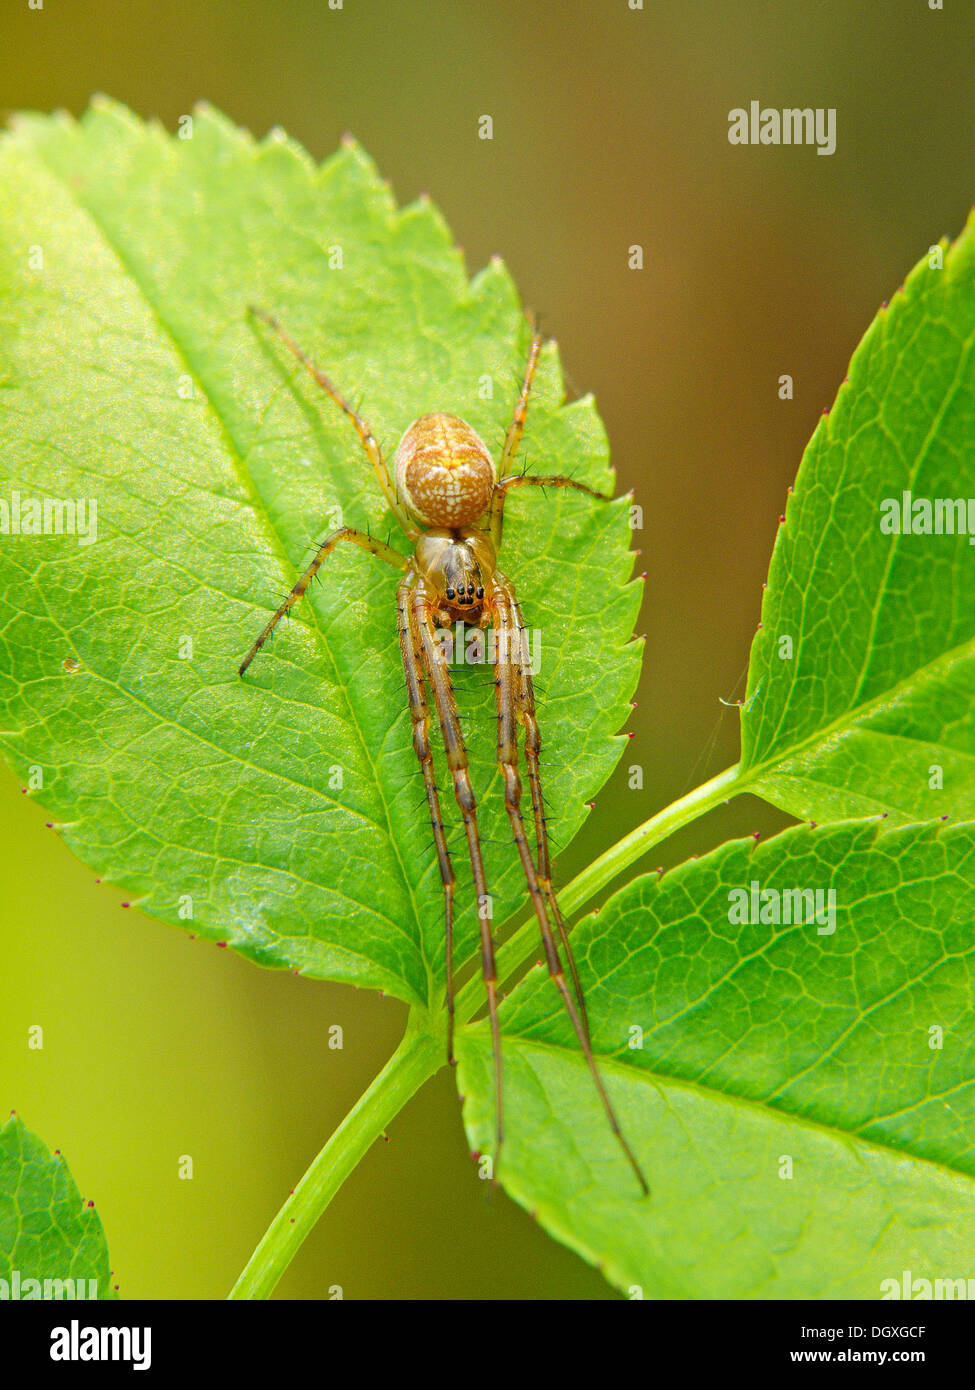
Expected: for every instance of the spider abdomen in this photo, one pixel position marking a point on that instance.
(444, 471)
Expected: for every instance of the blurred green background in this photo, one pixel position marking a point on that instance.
(610, 128)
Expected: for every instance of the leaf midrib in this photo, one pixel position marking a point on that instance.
(850, 719)
(842, 482)
(168, 721)
(922, 454)
(263, 516)
(610, 1065)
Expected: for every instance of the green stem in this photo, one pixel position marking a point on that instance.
(659, 827)
(602, 871)
(420, 1054)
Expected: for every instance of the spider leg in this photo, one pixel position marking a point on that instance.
(441, 687)
(409, 640)
(506, 684)
(365, 434)
(531, 480)
(344, 533)
(524, 695)
(515, 430)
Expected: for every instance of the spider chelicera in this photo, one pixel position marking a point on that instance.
(448, 497)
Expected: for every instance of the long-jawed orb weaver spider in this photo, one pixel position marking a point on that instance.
(448, 498)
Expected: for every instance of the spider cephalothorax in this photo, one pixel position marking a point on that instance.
(457, 565)
(448, 497)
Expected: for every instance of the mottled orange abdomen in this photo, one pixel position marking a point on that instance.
(444, 472)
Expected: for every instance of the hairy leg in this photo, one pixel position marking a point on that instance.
(365, 434)
(409, 639)
(524, 695)
(344, 533)
(441, 687)
(506, 683)
(515, 430)
(530, 480)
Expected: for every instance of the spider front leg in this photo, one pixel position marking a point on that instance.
(409, 640)
(508, 683)
(438, 676)
(524, 697)
(531, 480)
(344, 533)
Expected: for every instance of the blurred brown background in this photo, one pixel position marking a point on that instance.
(610, 128)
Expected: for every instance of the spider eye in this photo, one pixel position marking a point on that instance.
(480, 593)
(470, 591)
(451, 593)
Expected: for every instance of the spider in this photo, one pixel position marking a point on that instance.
(448, 497)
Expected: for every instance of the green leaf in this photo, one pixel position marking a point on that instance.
(47, 1233)
(879, 687)
(759, 1041)
(283, 811)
